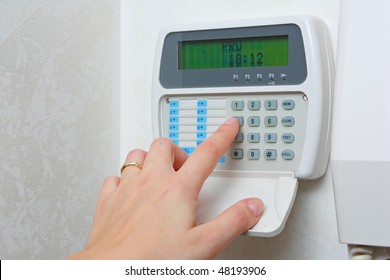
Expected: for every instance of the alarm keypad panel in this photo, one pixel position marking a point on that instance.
(272, 127)
(275, 77)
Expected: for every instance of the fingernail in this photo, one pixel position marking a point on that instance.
(256, 206)
(231, 121)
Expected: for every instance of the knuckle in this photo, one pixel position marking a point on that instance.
(162, 141)
(110, 179)
(134, 152)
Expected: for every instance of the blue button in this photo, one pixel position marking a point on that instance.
(173, 119)
(201, 135)
(174, 111)
(173, 127)
(202, 119)
(174, 103)
(202, 103)
(202, 111)
(201, 127)
(175, 141)
(173, 135)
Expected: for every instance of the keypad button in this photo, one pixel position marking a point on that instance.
(270, 154)
(271, 104)
(270, 137)
(174, 104)
(288, 154)
(238, 105)
(201, 119)
(239, 138)
(201, 127)
(237, 153)
(202, 103)
(174, 111)
(173, 135)
(253, 154)
(271, 121)
(202, 111)
(288, 137)
(174, 119)
(254, 137)
(254, 121)
(174, 127)
(254, 105)
(288, 104)
(288, 121)
(240, 120)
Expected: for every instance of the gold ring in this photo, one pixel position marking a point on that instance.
(132, 163)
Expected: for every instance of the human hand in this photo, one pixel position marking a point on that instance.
(149, 213)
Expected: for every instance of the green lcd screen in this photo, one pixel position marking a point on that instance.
(231, 53)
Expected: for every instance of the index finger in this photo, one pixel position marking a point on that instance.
(203, 160)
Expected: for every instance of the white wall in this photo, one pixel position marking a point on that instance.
(59, 118)
(59, 77)
(311, 231)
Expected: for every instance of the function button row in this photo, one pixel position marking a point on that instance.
(254, 137)
(254, 105)
(269, 154)
(270, 121)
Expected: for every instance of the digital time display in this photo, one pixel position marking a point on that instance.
(232, 53)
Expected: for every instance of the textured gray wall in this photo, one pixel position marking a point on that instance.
(59, 121)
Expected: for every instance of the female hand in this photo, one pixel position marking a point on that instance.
(149, 212)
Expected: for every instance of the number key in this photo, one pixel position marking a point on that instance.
(254, 137)
(254, 121)
(253, 154)
(270, 137)
(237, 105)
(271, 104)
(271, 121)
(254, 105)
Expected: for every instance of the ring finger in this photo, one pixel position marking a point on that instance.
(133, 163)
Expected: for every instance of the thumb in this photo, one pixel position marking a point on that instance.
(217, 234)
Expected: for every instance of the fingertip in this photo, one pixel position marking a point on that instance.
(231, 121)
(237, 219)
(256, 206)
(234, 221)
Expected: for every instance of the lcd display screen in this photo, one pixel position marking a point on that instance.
(231, 53)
